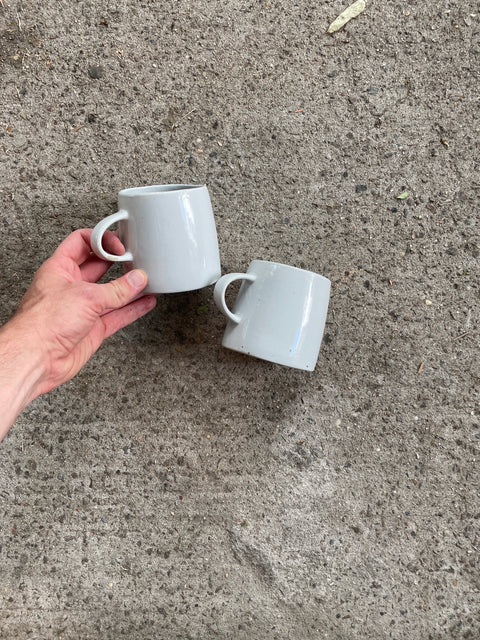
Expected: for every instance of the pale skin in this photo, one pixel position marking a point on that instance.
(63, 319)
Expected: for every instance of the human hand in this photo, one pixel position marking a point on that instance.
(65, 316)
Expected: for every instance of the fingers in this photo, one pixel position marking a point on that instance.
(118, 293)
(139, 295)
(77, 246)
(115, 320)
(95, 268)
(112, 243)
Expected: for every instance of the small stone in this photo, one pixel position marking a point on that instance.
(428, 303)
(96, 72)
(360, 187)
(20, 141)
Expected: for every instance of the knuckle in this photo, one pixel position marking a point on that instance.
(119, 292)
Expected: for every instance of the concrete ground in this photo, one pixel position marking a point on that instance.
(174, 489)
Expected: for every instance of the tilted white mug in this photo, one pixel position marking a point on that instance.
(169, 232)
(279, 313)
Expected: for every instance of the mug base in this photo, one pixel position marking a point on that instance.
(158, 290)
(284, 361)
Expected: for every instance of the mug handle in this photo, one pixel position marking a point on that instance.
(97, 235)
(221, 287)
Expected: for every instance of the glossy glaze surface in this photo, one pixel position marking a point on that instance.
(169, 232)
(279, 313)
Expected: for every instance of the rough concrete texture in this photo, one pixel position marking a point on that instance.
(177, 490)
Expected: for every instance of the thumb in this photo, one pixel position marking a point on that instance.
(119, 292)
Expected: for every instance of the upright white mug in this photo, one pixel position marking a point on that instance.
(279, 313)
(169, 232)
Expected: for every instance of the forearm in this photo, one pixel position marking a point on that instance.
(21, 370)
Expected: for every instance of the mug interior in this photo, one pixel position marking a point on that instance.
(158, 188)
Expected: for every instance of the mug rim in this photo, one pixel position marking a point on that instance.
(148, 190)
(288, 266)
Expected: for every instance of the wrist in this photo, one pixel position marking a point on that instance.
(22, 368)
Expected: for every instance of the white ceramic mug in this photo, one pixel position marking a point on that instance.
(169, 232)
(279, 313)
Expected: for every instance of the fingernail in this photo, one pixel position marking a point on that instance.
(137, 277)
